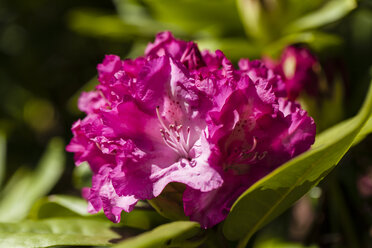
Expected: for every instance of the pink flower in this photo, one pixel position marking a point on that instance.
(299, 69)
(181, 115)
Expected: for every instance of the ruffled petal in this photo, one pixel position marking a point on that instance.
(178, 115)
(103, 195)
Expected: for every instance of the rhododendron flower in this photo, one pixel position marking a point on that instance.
(299, 69)
(181, 115)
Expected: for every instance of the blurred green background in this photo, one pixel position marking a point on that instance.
(49, 51)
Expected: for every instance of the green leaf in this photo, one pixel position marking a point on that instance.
(169, 203)
(331, 11)
(197, 17)
(25, 187)
(367, 129)
(59, 206)
(258, 19)
(67, 231)
(233, 48)
(82, 176)
(318, 41)
(2, 156)
(276, 192)
(99, 24)
(175, 234)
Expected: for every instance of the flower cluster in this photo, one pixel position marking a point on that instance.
(181, 115)
(299, 69)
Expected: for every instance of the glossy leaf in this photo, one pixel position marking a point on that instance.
(25, 187)
(175, 234)
(276, 192)
(67, 231)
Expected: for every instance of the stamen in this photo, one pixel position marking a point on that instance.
(173, 136)
(160, 118)
(243, 156)
(253, 145)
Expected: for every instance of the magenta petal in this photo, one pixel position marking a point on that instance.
(181, 115)
(152, 80)
(86, 150)
(102, 194)
(148, 181)
(91, 102)
(110, 65)
(210, 208)
(127, 120)
(166, 44)
(301, 132)
(185, 52)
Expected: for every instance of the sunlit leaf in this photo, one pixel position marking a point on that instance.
(58, 206)
(257, 19)
(276, 192)
(331, 11)
(169, 235)
(233, 48)
(367, 129)
(25, 187)
(318, 41)
(67, 231)
(196, 17)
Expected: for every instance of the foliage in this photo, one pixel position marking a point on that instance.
(49, 50)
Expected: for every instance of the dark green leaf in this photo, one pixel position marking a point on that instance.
(276, 192)
(169, 203)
